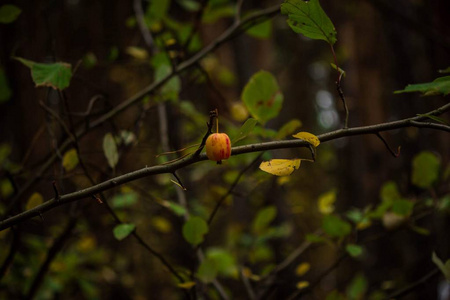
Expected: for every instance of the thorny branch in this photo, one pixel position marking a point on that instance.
(192, 159)
(231, 32)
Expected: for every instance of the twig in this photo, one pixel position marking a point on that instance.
(12, 252)
(212, 116)
(58, 119)
(248, 286)
(339, 87)
(55, 189)
(52, 252)
(283, 265)
(231, 188)
(230, 33)
(394, 154)
(237, 17)
(146, 34)
(170, 168)
(197, 22)
(324, 274)
(406, 290)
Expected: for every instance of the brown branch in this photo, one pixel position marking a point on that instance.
(51, 255)
(172, 167)
(230, 33)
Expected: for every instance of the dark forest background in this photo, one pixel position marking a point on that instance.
(382, 46)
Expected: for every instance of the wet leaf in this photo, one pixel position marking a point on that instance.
(280, 167)
(309, 19)
(308, 137)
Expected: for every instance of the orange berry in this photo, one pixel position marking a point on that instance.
(218, 147)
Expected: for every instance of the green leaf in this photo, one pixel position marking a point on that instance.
(245, 130)
(425, 169)
(446, 70)
(445, 268)
(354, 250)
(334, 226)
(223, 262)
(309, 19)
(70, 160)
(213, 13)
(261, 31)
(56, 75)
(177, 209)
(434, 118)
(171, 88)
(6, 189)
(207, 270)
(5, 90)
(110, 150)
(263, 218)
(419, 230)
(357, 287)
(288, 128)
(156, 11)
(389, 192)
(9, 13)
(262, 96)
(189, 5)
(438, 86)
(402, 207)
(335, 295)
(194, 230)
(121, 231)
(124, 200)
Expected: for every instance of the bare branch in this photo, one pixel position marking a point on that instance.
(192, 159)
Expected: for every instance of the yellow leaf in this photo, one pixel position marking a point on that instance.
(70, 160)
(137, 52)
(246, 272)
(161, 224)
(309, 137)
(302, 285)
(280, 167)
(186, 285)
(35, 200)
(302, 269)
(326, 202)
(86, 243)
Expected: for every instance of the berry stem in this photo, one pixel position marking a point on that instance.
(217, 121)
